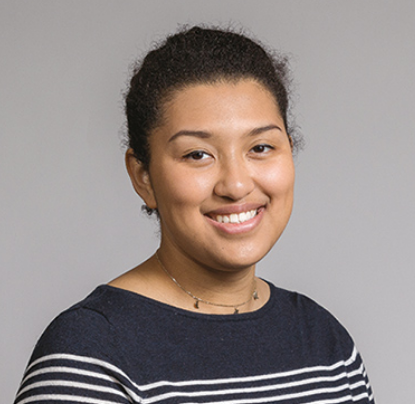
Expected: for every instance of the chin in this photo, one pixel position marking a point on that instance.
(240, 259)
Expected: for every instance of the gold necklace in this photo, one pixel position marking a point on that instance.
(254, 294)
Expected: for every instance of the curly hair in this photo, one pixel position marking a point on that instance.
(199, 56)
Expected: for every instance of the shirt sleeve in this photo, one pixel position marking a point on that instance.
(328, 338)
(359, 388)
(71, 363)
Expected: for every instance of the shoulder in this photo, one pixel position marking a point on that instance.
(311, 324)
(83, 329)
(79, 357)
(302, 308)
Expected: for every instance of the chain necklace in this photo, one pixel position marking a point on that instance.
(198, 300)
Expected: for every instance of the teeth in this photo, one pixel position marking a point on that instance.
(236, 218)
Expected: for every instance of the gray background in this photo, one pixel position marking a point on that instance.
(69, 217)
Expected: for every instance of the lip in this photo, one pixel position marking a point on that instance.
(228, 210)
(236, 228)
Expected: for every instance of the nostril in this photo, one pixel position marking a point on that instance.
(234, 184)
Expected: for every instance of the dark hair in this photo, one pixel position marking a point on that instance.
(198, 55)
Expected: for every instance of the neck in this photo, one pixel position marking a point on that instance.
(207, 289)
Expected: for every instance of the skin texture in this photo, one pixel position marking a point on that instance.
(221, 149)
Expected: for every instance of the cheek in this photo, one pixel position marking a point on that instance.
(279, 180)
(181, 188)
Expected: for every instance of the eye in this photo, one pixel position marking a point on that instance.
(262, 148)
(196, 155)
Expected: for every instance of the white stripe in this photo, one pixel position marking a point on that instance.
(252, 378)
(341, 399)
(361, 396)
(247, 390)
(178, 394)
(84, 359)
(66, 369)
(344, 398)
(163, 383)
(356, 372)
(64, 397)
(327, 390)
(76, 358)
(194, 383)
(75, 385)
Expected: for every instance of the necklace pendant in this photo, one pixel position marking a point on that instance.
(198, 299)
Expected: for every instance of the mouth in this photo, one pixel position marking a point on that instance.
(236, 218)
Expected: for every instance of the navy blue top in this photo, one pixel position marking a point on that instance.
(116, 346)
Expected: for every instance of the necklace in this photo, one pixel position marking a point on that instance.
(198, 300)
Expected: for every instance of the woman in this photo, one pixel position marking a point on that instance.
(210, 152)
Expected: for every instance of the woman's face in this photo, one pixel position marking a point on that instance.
(221, 174)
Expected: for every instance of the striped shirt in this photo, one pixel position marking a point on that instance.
(119, 347)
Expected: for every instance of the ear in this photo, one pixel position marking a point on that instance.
(140, 179)
(290, 139)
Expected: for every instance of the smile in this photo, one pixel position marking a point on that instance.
(236, 217)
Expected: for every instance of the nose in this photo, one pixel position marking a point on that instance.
(235, 180)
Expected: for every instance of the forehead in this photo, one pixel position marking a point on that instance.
(218, 103)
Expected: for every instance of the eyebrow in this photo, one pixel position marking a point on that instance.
(204, 135)
(195, 133)
(258, 131)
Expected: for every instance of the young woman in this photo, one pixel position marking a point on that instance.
(210, 152)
